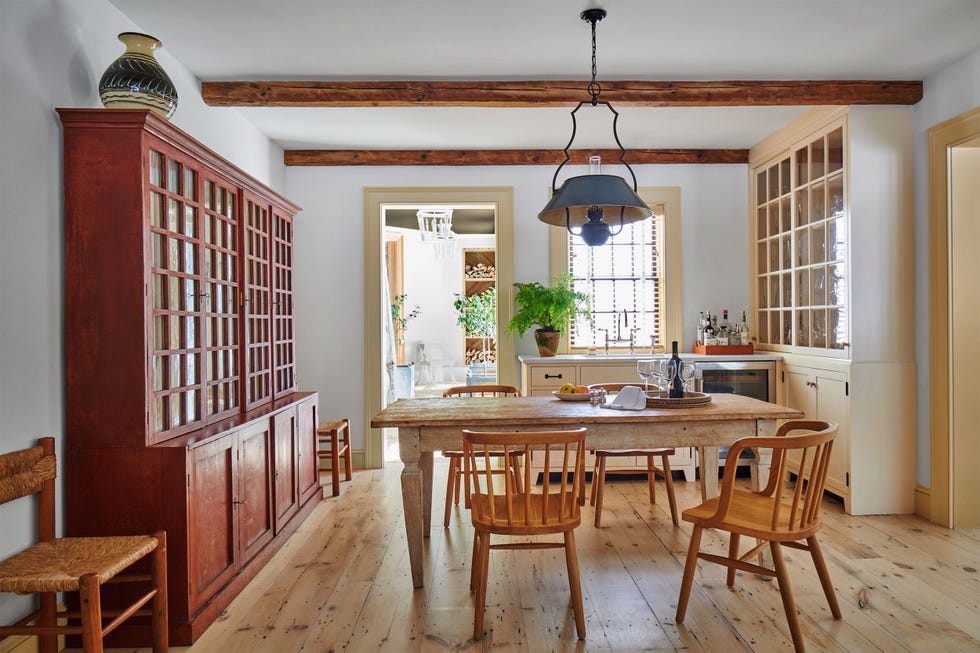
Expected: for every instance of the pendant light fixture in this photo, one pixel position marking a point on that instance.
(596, 203)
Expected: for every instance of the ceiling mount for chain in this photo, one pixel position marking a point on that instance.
(593, 16)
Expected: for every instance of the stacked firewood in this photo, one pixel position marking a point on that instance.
(480, 271)
(476, 356)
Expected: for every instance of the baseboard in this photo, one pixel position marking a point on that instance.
(357, 457)
(923, 502)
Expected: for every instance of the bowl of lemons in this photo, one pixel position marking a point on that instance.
(569, 392)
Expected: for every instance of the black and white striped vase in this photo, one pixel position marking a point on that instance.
(136, 81)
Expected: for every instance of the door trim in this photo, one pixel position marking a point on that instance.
(942, 138)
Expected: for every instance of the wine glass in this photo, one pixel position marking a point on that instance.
(646, 369)
(662, 371)
(688, 372)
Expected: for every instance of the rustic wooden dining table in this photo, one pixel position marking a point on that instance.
(428, 425)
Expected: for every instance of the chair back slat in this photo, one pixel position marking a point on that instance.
(551, 504)
(483, 391)
(25, 472)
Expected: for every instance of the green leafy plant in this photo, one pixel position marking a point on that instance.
(399, 318)
(477, 314)
(549, 308)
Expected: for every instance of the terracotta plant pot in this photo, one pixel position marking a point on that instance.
(547, 341)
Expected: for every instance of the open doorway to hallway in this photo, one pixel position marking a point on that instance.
(440, 268)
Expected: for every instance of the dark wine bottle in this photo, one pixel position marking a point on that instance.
(676, 385)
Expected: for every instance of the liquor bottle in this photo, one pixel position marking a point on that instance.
(701, 328)
(722, 329)
(676, 384)
(709, 331)
(743, 328)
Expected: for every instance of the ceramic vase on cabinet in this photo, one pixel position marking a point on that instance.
(136, 81)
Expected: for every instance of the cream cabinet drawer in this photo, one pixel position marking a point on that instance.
(609, 374)
(552, 376)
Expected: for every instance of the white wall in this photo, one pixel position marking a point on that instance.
(330, 247)
(947, 94)
(52, 54)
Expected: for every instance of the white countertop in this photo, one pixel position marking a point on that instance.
(600, 358)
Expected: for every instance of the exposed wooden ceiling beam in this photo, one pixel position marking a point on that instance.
(553, 93)
(501, 157)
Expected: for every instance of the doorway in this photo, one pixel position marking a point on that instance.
(377, 201)
(954, 230)
(441, 271)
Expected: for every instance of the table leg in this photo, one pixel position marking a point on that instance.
(425, 460)
(708, 462)
(408, 446)
(759, 468)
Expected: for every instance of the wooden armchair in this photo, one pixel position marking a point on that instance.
(456, 475)
(75, 564)
(784, 513)
(651, 470)
(501, 509)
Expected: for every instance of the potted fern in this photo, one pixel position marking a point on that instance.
(550, 308)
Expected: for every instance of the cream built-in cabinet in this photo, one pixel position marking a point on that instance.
(831, 266)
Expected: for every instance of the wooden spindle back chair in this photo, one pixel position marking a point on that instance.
(786, 512)
(456, 478)
(499, 507)
(651, 470)
(75, 564)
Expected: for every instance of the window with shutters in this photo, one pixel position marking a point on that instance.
(626, 280)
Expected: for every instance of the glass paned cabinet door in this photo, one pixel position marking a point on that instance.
(801, 245)
(284, 376)
(177, 294)
(257, 290)
(221, 321)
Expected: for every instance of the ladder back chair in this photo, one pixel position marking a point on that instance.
(500, 508)
(456, 475)
(75, 564)
(599, 471)
(785, 513)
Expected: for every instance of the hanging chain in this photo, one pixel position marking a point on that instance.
(594, 87)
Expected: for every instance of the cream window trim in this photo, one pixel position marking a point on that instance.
(669, 197)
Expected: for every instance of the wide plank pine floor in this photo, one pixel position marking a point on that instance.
(342, 583)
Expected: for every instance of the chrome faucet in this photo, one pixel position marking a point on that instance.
(619, 334)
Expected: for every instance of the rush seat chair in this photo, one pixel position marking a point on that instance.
(76, 564)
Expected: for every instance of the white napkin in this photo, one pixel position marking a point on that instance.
(629, 398)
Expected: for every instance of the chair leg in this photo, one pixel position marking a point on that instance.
(669, 482)
(91, 611)
(828, 587)
(786, 592)
(515, 466)
(732, 555)
(600, 486)
(49, 605)
(335, 461)
(450, 487)
(651, 480)
(475, 561)
(689, 567)
(574, 584)
(595, 480)
(348, 457)
(158, 574)
(481, 589)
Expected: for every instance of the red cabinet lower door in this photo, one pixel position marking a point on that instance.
(212, 539)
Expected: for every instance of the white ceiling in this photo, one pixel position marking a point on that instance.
(546, 39)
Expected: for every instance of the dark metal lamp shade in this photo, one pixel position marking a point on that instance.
(578, 194)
